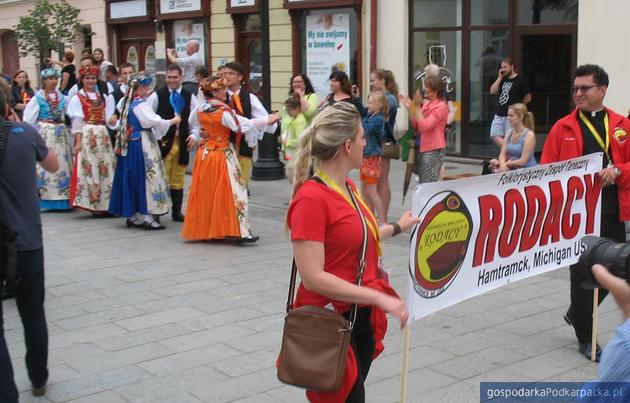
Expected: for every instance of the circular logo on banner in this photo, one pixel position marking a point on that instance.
(440, 243)
(620, 135)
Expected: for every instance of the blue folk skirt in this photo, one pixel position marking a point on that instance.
(129, 188)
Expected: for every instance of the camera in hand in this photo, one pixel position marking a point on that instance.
(615, 256)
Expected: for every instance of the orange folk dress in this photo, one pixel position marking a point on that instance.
(217, 203)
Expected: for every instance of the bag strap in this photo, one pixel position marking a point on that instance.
(5, 126)
(7, 234)
(362, 263)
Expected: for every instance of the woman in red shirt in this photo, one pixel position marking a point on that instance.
(430, 123)
(327, 234)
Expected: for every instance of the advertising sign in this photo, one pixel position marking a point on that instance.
(327, 48)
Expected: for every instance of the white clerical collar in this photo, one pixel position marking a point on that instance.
(594, 113)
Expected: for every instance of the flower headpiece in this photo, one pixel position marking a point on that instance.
(47, 73)
(213, 84)
(89, 71)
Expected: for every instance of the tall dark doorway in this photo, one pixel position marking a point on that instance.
(249, 51)
(547, 60)
(10, 58)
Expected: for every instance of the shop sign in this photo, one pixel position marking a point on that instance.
(186, 30)
(179, 6)
(128, 9)
(242, 3)
(327, 48)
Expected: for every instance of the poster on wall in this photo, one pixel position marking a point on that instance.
(184, 31)
(327, 48)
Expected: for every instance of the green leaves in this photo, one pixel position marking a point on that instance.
(48, 26)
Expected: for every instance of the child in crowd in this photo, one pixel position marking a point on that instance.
(373, 126)
(293, 125)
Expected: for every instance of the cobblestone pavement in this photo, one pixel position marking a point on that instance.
(138, 316)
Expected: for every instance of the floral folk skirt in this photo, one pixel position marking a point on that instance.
(54, 188)
(217, 204)
(94, 170)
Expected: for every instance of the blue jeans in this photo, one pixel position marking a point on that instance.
(29, 297)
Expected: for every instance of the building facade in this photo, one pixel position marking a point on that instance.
(92, 35)
(467, 38)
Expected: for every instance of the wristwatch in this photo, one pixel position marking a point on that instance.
(617, 171)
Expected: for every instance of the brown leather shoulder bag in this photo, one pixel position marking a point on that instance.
(315, 340)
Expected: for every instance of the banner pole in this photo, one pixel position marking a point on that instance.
(595, 320)
(405, 364)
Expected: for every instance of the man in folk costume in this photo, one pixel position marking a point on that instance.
(125, 70)
(169, 101)
(248, 105)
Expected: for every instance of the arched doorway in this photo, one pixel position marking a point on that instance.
(10, 57)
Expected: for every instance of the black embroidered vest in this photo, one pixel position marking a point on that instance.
(165, 111)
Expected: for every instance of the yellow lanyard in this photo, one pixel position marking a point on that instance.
(370, 219)
(596, 135)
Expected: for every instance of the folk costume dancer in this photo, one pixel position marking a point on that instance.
(45, 112)
(247, 105)
(217, 204)
(167, 102)
(140, 190)
(125, 71)
(91, 113)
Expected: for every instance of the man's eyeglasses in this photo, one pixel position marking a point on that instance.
(583, 88)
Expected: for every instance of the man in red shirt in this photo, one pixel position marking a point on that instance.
(592, 128)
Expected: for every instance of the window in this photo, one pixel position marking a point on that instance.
(442, 48)
(487, 49)
(436, 13)
(489, 12)
(547, 11)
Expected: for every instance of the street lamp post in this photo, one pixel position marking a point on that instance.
(268, 165)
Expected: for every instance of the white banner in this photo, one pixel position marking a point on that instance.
(327, 48)
(477, 234)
